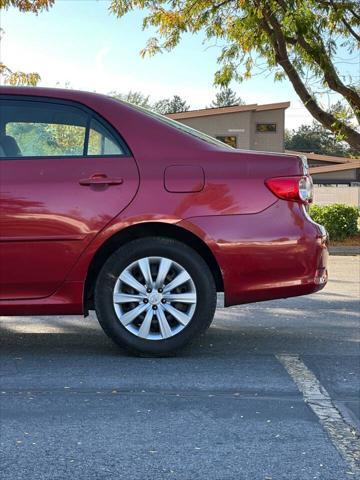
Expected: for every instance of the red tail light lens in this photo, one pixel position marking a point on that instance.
(296, 189)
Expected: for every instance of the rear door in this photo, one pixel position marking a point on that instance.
(64, 174)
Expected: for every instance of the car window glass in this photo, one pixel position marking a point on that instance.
(179, 126)
(41, 129)
(101, 142)
(47, 139)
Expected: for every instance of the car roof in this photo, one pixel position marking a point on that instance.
(48, 92)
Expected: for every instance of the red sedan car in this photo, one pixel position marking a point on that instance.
(107, 206)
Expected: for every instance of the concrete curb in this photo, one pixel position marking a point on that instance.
(355, 250)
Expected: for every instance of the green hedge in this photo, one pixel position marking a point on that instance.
(339, 220)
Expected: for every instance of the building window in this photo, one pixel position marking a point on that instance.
(266, 127)
(229, 140)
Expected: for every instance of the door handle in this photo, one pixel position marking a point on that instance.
(101, 179)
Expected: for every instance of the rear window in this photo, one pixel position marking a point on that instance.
(180, 126)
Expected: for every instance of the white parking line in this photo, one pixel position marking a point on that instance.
(343, 435)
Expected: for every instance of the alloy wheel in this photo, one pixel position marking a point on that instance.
(154, 298)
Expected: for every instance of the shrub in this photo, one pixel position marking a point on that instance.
(339, 220)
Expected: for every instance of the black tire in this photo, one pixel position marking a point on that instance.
(180, 253)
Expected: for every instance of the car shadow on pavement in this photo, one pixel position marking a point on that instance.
(316, 323)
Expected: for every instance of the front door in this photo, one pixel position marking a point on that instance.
(64, 174)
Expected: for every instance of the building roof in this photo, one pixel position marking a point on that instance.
(206, 112)
(323, 158)
(335, 168)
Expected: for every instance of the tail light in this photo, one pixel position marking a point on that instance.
(295, 189)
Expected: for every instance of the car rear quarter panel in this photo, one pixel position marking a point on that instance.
(276, 253)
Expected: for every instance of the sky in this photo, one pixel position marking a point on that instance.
(79, 43)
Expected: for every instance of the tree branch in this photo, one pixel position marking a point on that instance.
(324, 62)
(344, 21)
(279, 44)
(349, 6)
(351, 30)
(331, 76)
(354, 13)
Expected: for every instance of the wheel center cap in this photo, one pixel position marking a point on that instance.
(155, 298)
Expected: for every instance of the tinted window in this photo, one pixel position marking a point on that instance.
(101, 142)
(38, 129)
(46, 139)
(266, 127)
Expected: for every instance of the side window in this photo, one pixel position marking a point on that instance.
(37, 129)
(101, 142)
(45, 139)
(48, 129)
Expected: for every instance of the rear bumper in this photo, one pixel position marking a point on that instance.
(277, 253)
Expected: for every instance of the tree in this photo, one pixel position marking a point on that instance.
(137, 98)
(226, 98)
(171, 105)
(342, 112)
(33, 6)
(316, 139)
(164, 106)
(7, 75)
(298, 39)
(10, 77)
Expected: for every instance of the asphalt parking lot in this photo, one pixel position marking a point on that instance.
(73, 406)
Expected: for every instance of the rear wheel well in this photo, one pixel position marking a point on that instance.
(146, 230)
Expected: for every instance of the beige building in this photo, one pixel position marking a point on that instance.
(250, 127)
